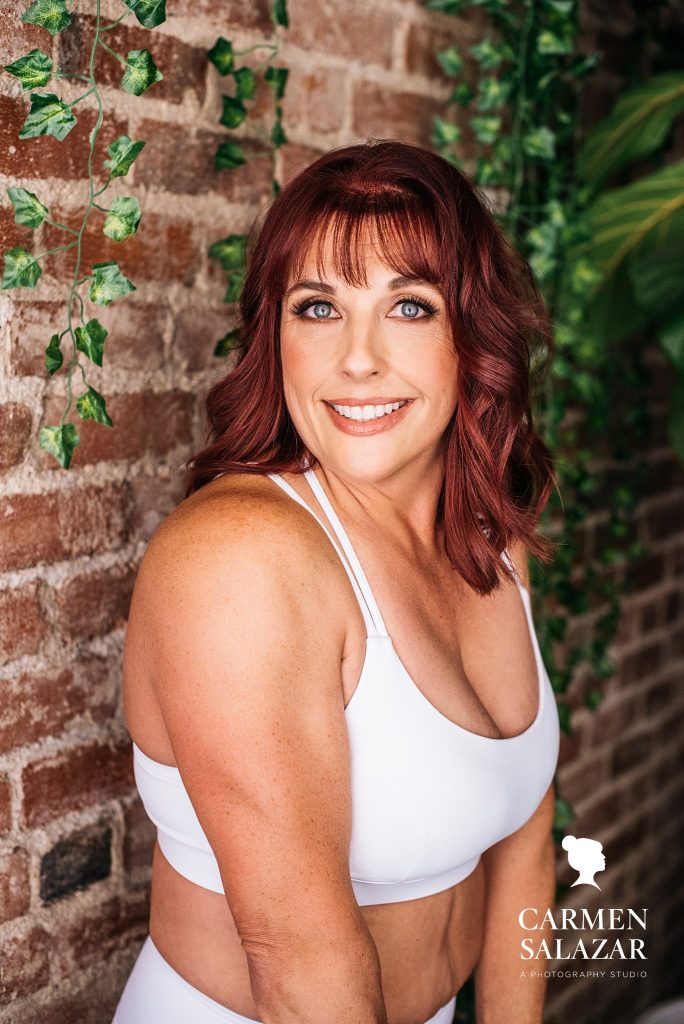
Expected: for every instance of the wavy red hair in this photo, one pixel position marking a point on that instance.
(430, 221)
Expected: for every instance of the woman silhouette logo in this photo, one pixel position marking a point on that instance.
(585, 856)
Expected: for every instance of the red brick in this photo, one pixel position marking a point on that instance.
(12, 234)
(88, 937)
(180, 163)
(641, 663)
(316, 99)
(294, 159)
(94, 604)
(15, 890)
(143, 423)
(382, 112)
(44, 155)
(666, 519)
(184, 67)
(194, 337)
(153, 500)
(31, 326)
(18, 37)
(47, 704)
(163, 249)
(37, 528)
(630, 752)
(363, 32)
(23, 626)
(76, 778)
(424, 39)
(136, 335)
(140, 836)
(25, 963)
(15, 430)
(5, 804)
(240, 14)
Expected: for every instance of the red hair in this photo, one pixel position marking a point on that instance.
(431, 222)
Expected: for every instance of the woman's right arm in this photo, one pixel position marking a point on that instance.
(246, 653)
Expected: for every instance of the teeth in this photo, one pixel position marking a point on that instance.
(364, 413)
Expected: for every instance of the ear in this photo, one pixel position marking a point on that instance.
(518, 555)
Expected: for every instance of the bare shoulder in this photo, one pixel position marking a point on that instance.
(519, 557)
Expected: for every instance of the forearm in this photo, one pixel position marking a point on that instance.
(333, 979)
(516, 878)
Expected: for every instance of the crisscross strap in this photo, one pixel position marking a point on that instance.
(365, 609)
(363, 583)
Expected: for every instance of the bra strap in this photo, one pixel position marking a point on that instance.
(365, 610)
(364, 585)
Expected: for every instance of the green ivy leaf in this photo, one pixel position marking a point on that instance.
(488, 55)
(540, 143)
(278, 136)
(28, 208)
(53, 355)
(230, 251)
(228, 343)
(444, 133)
(279, 13)
(234, 112)
(60, 442)
(48, 116)
(672, 341)
(141, 72)
(450, 60)
(551, 45)
(90, 340)
(229, 154)
(448, 6)
(108, 283)
(21, 269)
(49, 14)
(486, 128)
(245, 82)
(235, 282)
(123, 218)
(462, 94)
(91, 406)
(149, 13)
(277, 79)
(221, 55)
(493, 93)
(33, 70)
(123, 152)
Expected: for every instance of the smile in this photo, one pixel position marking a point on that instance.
(364, 413)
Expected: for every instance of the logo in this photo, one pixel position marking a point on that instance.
(586, 857)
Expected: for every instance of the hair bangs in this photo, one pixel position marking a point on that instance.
(400, 230)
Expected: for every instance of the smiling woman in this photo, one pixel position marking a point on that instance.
(343, 728)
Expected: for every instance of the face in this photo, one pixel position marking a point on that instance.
(369, 372)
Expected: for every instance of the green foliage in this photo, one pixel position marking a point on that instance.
(49, 114)
(230, 251)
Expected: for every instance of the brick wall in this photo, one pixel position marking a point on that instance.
(75, 845)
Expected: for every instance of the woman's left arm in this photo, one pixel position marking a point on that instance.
(520, 872)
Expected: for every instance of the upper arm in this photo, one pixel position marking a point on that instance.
(247, 675)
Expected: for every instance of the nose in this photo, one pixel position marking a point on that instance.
(361, 352)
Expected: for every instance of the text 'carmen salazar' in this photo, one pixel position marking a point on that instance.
(604, 919)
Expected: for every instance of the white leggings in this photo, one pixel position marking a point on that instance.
(156, 994)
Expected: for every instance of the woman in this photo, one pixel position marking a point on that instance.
(342, 725)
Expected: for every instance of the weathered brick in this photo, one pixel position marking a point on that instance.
(15, 430)
(76, 862)
(194, 338)
(22, 622)
(425, 38)
(30, 327)
(375, 108)
(316, 99)
(294, 158)
(94, 604)
(37, 528)
(5, 804)
(184, 164)
(15, 893)
(163, 248)
(140, 836)
(37, 705)
(76, 778)
(241, 14)
(25, 963)
(363, 32)
(184, 66)
(45, 156)
(630, 752)
(143, 423)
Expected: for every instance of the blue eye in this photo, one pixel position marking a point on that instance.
(322, 309)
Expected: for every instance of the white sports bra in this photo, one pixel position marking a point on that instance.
(428, 796)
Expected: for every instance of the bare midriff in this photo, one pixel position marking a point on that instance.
(427, 947)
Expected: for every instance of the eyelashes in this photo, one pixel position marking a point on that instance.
(299, 308)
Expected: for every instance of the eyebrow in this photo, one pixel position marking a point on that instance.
(321, 286)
